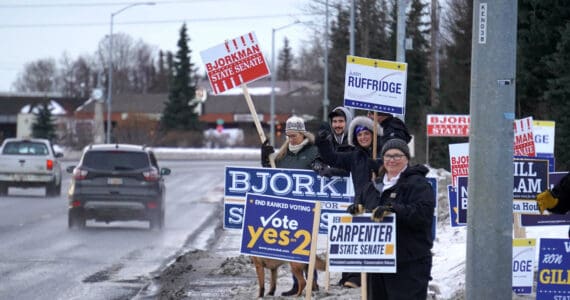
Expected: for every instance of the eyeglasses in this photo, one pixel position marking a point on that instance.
(394, 157)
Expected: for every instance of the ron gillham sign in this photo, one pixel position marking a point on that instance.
(448, 125)
(235, 62)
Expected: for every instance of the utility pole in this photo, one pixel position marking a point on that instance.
(492, 107)
(401, 39)
(434, 84)
(326, 101)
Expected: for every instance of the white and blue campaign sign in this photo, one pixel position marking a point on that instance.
(452, 196)
(276, 227)
(357, 244)
(523, 265)
(553, 282)
(335, 193)
(543, 133)
(373, 84)
(462, 198)
(531, 178)
(552, 219)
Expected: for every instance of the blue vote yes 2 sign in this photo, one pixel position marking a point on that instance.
(276, 227)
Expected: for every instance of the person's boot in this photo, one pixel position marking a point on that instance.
(291, 292)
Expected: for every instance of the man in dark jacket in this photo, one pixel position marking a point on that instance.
(339, 119)
(404, 190)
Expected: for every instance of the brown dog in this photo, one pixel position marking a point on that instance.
(273, 264)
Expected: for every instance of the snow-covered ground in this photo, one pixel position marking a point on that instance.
(449, 249)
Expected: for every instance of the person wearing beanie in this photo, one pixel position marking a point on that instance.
(339, 119)
(359, 160)
(298, 152)
(405, 191)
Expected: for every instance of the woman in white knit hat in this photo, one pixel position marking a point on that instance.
(298, 152)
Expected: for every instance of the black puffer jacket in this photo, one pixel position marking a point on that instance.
(357, 162)
(412, 199)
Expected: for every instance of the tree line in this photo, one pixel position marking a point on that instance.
(542, 65)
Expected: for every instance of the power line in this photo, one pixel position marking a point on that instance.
(93, 4)
(193, 20)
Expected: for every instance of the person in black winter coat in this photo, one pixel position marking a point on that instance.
(404, 190)
(392, 127)
(339, 119)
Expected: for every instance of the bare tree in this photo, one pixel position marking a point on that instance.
(38, 76)
(309, 64)
(143, 70)
(77, 77)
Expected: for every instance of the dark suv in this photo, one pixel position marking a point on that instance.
(117, 182)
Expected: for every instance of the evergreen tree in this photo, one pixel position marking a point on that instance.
(371, 27)
(543, 42)
(539, 29)
(285, 66)
(558, 93)
(455, 74)
(417, 93)
(44, 126)
(178, 114)
(339, 49)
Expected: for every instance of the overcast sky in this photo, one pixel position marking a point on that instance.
(36, 29)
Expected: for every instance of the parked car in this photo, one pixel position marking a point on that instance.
(117, 182)
(26, 162)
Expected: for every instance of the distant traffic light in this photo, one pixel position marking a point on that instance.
(278, 129)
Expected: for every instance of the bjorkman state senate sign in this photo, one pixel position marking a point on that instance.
(235, 62)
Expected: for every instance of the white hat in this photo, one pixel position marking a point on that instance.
(295, 123)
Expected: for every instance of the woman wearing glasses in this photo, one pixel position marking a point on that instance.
(402, 189)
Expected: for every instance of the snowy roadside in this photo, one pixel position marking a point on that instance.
(216, 270)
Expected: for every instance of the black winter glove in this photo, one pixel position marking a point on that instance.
(355, 209)
(325, 132)
(327, 172)
(379, 212)
(266, 150)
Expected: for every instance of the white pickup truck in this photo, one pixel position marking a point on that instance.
(29, 163)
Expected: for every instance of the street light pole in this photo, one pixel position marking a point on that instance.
(273, 78)
(110, 83)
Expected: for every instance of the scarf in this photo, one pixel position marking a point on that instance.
(295, 149)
